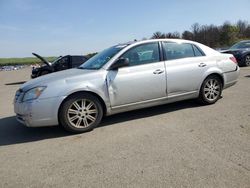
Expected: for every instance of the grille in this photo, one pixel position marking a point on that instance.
(18, 95)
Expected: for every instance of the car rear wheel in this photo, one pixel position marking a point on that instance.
(81, 113)
(210, 90)
(247, 60)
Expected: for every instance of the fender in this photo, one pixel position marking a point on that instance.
(93, 88)
(210, 71)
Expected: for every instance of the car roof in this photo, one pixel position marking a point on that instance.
(157, 40)
(244, 41)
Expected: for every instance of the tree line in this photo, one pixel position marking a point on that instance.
(211, 35)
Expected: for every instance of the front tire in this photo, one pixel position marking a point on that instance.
(80, 113)
(211, 90)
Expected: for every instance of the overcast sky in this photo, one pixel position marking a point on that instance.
(52, 28)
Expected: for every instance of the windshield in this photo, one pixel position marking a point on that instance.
(241, 45)
(102, 58)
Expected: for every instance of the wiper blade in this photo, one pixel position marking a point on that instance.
(88, 68)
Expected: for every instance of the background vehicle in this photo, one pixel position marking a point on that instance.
(61, 63)
(241, 52)
(126, 77)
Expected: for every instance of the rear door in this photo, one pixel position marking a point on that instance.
(144, 79)
(185, 66)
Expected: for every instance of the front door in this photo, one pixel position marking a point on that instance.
(62, 64)
(144, 79)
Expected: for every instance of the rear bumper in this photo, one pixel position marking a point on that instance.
(231, 78)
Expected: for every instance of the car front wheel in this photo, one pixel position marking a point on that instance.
(80, 113)
(210, 90)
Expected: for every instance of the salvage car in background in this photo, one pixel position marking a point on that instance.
(126, 77)
(241, 52)
(61, 63)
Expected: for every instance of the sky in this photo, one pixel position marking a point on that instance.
(61, 27)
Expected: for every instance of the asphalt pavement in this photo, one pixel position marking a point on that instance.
(176, 145)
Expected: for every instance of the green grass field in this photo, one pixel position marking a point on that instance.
(22, 61)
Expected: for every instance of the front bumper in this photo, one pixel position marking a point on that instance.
(33, 76)
(39, 112)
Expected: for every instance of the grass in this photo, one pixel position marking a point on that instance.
(22, 61)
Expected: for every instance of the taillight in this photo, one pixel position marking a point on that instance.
(233, 59)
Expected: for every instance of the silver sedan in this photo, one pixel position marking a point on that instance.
(126, 77)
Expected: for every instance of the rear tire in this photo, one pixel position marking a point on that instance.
(247, 60)
(211, 90)
(80, 113)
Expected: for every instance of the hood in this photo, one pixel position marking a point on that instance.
(42, 59)
(58, 78)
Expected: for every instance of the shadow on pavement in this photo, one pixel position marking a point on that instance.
(248, 76)
(13, 132)
(15, 83)
(147, 112)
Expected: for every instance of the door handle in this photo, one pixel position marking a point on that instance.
(158, 71)
(202, 65)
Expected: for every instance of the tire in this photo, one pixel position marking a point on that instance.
(80, 113)
(211, 90)
(247, 60)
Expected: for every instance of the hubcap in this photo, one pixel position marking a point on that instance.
(82, 113)
(212, 90)
(248, 60)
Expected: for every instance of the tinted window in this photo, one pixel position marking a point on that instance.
(177, 51)
(197, 51)
(239, 45)
(63, 62)
(77, 60)
(143, 54)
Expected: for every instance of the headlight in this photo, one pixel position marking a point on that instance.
(33, 93)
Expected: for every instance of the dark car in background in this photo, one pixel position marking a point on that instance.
(61, 63)
(241, 52)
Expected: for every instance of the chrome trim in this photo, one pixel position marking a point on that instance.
(154, 100)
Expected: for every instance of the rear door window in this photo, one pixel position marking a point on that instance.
(197, 52)
(178, 50)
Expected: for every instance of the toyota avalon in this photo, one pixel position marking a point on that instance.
(126, 77)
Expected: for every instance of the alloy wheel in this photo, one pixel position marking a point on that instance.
(82, 113)
(247, 60)
(212, 90)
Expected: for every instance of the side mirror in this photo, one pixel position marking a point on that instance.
(123, 62)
